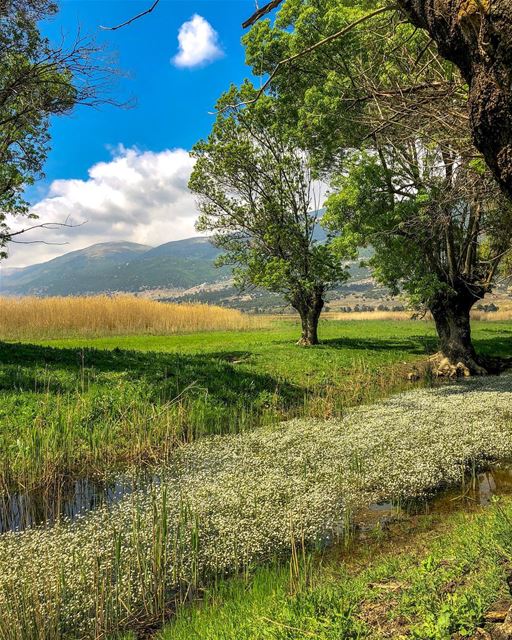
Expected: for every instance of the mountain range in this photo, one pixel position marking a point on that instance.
(118, 266)
(182, 270)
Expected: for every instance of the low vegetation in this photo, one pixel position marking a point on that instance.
(38, 318)
(81, 405)
(259, 488)
(224, 503)
(450, 572)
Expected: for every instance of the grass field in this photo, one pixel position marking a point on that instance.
(77, 405)
(90, 405)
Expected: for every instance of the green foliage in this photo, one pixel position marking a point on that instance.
(326, 92)
(382, 116)
(428, 237)
(361, 210)
(440, 585)
(256, 189)
(37, 80)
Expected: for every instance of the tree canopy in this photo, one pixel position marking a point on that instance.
(37, 80)
(258, 195)
(384, 116)
(476, 35)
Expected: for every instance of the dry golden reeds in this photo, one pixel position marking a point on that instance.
(32, 317)
(496, 316)
(369, 315)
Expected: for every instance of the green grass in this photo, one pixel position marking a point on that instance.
(76, 405)
(449, 572)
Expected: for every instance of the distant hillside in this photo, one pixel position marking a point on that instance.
(181, 270)
(118, 266)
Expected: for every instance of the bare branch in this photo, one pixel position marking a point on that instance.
(134, 18)
(261, 12)
(8, 236)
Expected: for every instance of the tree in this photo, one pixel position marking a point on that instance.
(476, 35)
(439, 226)
(256, 193)
(37, 81)
(385, 114)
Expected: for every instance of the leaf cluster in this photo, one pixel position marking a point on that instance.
(259, 195)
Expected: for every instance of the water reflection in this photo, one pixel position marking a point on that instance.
(476, 491)
(67, 499)
(72, 498)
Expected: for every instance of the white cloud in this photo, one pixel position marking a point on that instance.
(198, 43)
(137, 196)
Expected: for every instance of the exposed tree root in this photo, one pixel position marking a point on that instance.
(443, 367)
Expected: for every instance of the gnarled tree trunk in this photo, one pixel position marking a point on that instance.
(309, 307)
(476, 35)
(451, 313)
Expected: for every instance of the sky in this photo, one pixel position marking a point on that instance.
(120, 173)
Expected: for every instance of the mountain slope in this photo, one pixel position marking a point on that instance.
(118, 266)
(86, 270)
(180, 270)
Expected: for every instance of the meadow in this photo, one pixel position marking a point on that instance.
(222, 505)
(257, 453)
(82, 405)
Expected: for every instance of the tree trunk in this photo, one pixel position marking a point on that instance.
(451, 313)
(309, 311)
(476, 35)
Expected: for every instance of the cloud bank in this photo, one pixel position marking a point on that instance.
(198, 43)
(137, 196)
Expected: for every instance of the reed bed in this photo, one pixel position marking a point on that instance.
(490, 316)
(42, 318)
(370, 315)
(504, 315)
(228, 502)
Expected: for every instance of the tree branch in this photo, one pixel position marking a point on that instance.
(8, 236)
(130, 20)
(320, 43)
(261, 12)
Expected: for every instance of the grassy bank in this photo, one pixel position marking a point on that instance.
(77, 405)
(450, 571)
(226, 503)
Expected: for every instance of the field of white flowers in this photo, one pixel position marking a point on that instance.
(229, 501)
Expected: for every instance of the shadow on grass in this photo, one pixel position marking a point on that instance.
(414, 345)
(222, 375)
(55, 370)
(495, 347)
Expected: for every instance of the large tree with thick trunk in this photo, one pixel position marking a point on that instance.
(257, 194)
(416, 189)
(477, 36)
(439, 226)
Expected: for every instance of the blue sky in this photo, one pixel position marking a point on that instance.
(172, 103)
(124, 171)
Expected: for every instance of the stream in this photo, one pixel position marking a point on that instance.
(66, 500)
(71, 499)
